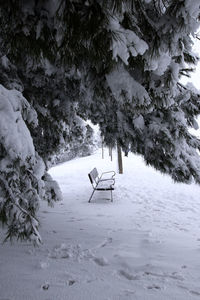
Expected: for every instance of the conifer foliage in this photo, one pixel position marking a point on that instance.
(117, 63)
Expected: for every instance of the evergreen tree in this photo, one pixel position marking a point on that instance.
(117, 63)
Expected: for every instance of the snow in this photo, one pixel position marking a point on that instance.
(125, 41)
(144, 245)
(14, 134)
(38, 29)
(159, 64)
(5, 62)
(193, 8)
(49, 68)
(139, 122)
(119, 80)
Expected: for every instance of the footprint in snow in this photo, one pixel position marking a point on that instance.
(74, 252)
(128, 275)
(195, 293)
(45, 286)
(101, 261)
(154, 287)
(70, 282)
(127, 293)
(106, 242)
(173, 275)
(183, 267)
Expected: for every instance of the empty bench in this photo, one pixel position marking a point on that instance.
(105, 182)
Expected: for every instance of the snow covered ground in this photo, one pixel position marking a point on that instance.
(145, 245)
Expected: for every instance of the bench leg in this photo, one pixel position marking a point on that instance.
(91, 196)
(111, 196)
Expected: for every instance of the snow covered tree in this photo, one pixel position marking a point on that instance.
(117, 63)
(26, 52)
(152, 46)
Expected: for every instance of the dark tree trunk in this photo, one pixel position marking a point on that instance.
(119, 156)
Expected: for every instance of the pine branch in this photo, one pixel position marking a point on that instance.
(22, 210)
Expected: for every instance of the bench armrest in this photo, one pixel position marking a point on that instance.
(106, 179)
(113, 181)
(108, 173)
(109, 179)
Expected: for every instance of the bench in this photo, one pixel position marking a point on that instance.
(105, 182)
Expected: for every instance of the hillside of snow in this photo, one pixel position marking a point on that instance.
(143, 246)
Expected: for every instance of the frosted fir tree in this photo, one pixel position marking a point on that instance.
(117, 63)
(145, 104)
(49, 86)
(161, 134)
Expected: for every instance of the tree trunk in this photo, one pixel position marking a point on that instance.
(102, 151)
(119, 156)
(110, 153)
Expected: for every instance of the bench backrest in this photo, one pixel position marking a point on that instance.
(94, 176)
